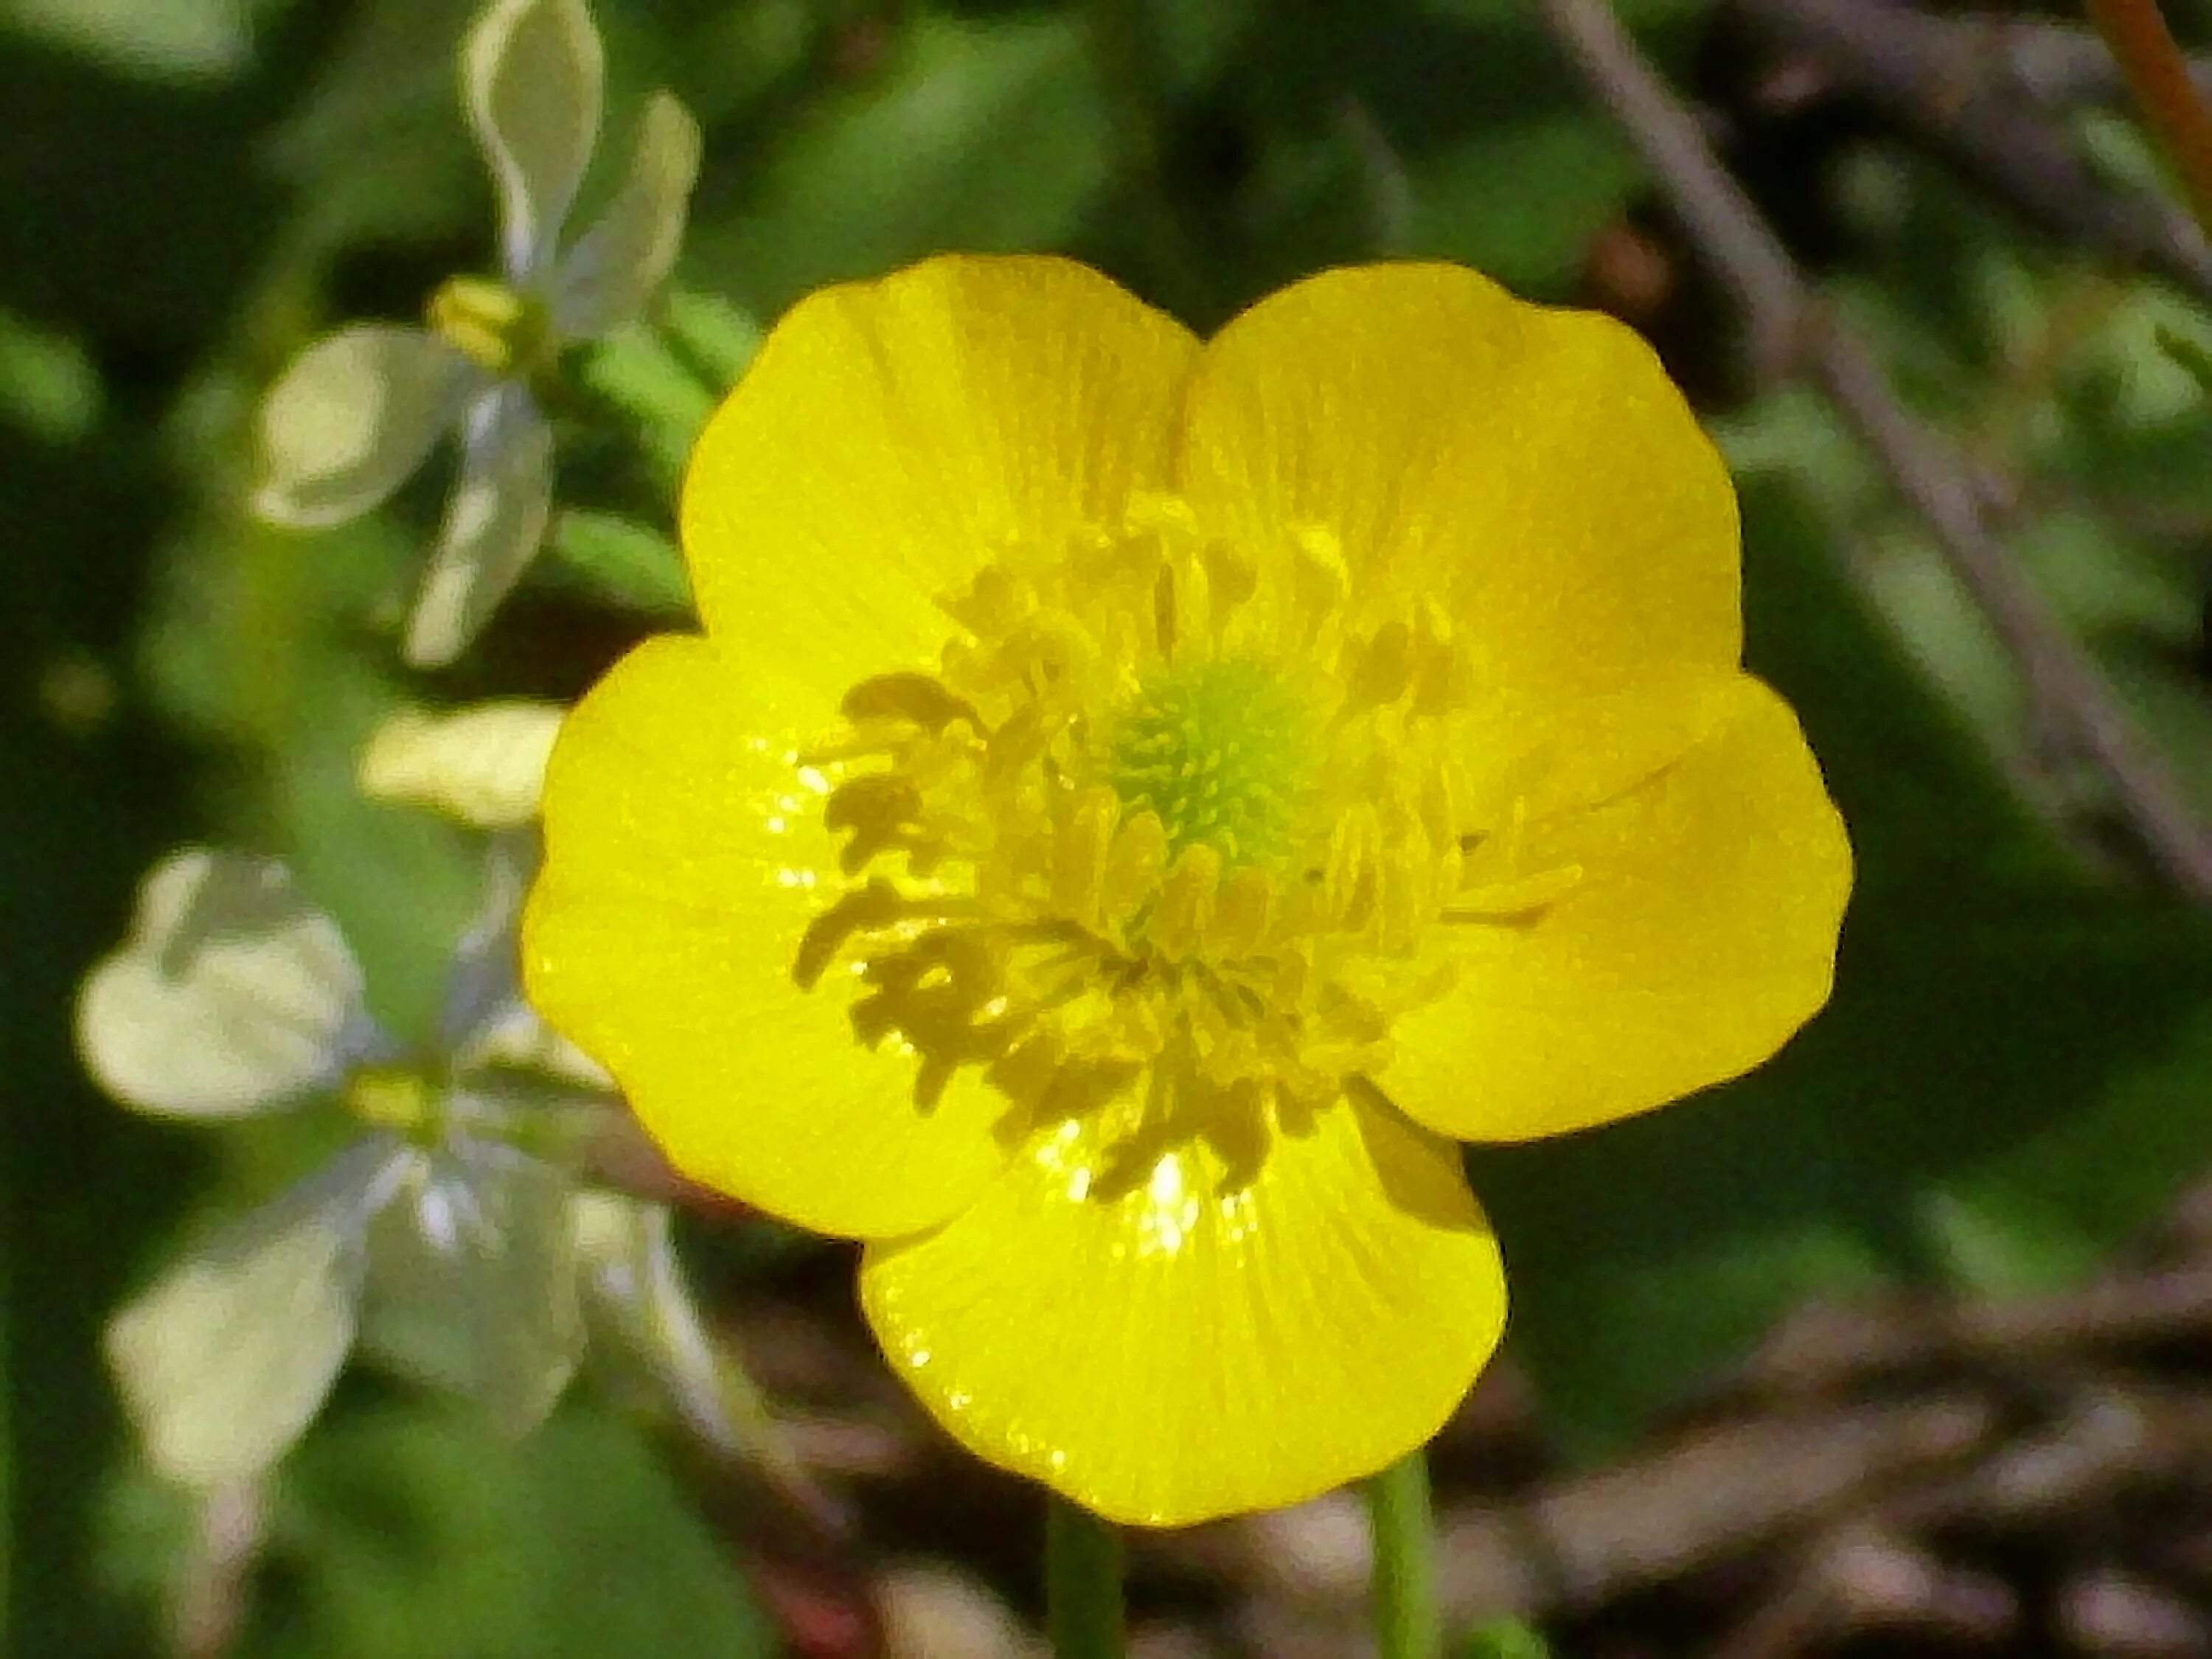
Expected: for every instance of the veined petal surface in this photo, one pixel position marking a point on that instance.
(892, 438)
(617, 264)
(233, 995)
(1697, 936)
(532, 76)
(1530, 471)
(1193, 1346)
(351, 418)
(686, 860)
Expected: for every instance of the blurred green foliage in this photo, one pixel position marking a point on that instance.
(2016, 1072)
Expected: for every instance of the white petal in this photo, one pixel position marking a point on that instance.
(484, 764)
(512, 1036)
(493, 525)
(232, 995)
(637, 1287)
(351, 418)
(224, 1360)
(472, 1279)
(531, 73)
(631, 1257)
(483, 978)
(618, 264)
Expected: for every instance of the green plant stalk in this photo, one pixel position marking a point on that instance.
(1082, 1582)
(1404, 1592)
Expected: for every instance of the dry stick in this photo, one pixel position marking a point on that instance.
(2069, 694)
(1958, 96)
(2159, 76)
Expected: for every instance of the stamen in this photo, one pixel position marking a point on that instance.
(1160, 841)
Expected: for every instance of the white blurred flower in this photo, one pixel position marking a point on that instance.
(357, 411)
(484, 764)
(443, 1236)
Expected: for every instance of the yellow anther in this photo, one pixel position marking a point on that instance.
(1183, 915)
(1080, 853)
(1348, 881)
(879, 808)
(1242, 910)
(1515, 899)
(1320, 560)
(390, 1098)
(1406, 893)
(1382, 668)
(492, 325)
(919, 698)
(1134, 865)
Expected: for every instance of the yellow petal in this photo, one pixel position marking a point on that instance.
(1701, 935)
(685, 857)
(1179, 1351)
(1532, 470)
(893, 436)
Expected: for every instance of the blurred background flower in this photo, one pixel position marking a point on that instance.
(357, 411)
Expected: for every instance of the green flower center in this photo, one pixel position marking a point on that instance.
(1217, 751)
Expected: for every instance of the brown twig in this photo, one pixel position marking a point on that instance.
(2069, 696)
(1946, 86)
(2159, 76)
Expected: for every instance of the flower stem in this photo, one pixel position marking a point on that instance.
(2158, 75)
(1082, 1582)
(1407, 1624)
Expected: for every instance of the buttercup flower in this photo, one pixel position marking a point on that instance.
(442, 1233)
(357, 411)
(1136, 802)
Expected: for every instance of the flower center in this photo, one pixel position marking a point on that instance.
(1215, 751)
(500, 330)
(389, 1097)
(1168, 841)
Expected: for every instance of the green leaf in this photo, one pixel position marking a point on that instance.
(183, 41)
(647, 387)
(407, 1530)
(718, 337)
(48, 387)
(2192, 355)
(1504, 1639)
(2015, 1074)
(635, 566)
(981, 135)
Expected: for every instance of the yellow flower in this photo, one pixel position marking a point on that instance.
(1137, 801)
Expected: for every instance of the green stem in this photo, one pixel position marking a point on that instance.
(1406, 1625)
(1082, 1582)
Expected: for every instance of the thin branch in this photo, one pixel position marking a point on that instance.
(1945, 85)
(2069, 694)
(2159, 76)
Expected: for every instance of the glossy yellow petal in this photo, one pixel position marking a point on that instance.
(1694, 931)
(1177, 1352)
(892, 437)
(685, 857)
(1532, 470)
